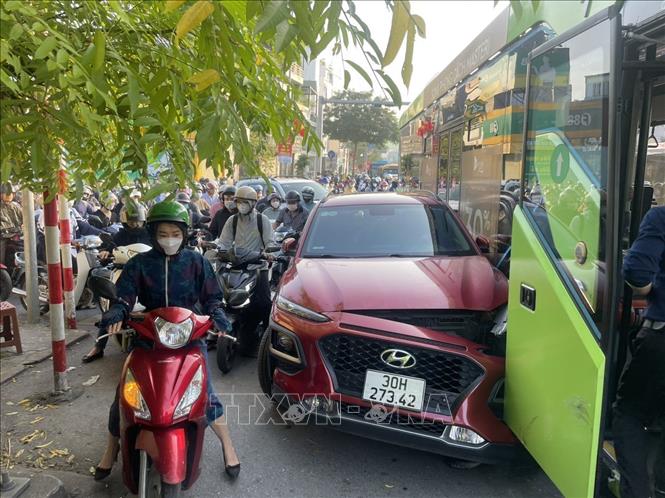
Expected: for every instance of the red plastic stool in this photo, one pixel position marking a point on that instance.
(10, 332)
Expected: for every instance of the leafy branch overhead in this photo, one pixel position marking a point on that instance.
(107, 87)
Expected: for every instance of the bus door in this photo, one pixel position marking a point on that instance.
(450, 162)
(560, 301)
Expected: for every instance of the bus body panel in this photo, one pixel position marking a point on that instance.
(554, 370)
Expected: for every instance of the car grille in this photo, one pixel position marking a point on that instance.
(395, 420)
(447, 375)
(462, 323)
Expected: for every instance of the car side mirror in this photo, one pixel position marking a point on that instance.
(289, 246)
(483, 244)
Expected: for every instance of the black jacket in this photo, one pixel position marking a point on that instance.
(219, 220)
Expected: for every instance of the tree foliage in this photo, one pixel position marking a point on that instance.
(372, 124)
(105, 85)
(302, 165)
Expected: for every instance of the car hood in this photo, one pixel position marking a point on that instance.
(469, 283)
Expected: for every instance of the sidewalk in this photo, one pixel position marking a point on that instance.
(36, 342)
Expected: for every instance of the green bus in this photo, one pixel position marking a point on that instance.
(562, 105)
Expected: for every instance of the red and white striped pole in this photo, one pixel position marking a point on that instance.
(66, 256)
(56, 313)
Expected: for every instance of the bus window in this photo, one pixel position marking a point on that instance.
(654, 174)
(566, 154)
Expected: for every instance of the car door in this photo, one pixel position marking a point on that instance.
(559, 300)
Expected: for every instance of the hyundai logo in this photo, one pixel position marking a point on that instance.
(397, 358)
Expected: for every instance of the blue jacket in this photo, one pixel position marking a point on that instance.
(186, 280)
(644, 263)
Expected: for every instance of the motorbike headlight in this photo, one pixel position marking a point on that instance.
(191, 394)
(291, 307)
(174, 335)
(131, 393)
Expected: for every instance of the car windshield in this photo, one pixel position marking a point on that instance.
(319, 191)
(385, 231)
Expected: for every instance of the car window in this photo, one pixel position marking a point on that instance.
(385, 231)
(319, 191)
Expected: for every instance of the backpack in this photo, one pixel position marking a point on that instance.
(259, 225)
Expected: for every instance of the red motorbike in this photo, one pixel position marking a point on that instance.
(163, 400)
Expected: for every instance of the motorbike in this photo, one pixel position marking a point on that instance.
(163, 399)
(5, 283)
(281, 261)
(238, 275)
(111, 271)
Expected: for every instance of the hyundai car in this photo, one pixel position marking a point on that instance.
(390, 324)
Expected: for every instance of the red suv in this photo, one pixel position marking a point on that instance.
(390, 324)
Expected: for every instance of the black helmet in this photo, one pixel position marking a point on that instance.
(7, 188)
(307, 194)
(292, 196)
(229, 190)
(274, 196)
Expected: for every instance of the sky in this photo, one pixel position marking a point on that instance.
(450, 26)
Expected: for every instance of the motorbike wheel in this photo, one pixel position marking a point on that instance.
(157, 488)
(6, 283)
(266, 368)
(42, 283)
(226, 353)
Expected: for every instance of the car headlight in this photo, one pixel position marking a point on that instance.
(191, 394)
(131, 393)
(174, 335)
(290, 307)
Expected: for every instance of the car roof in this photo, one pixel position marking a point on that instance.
(361, 199)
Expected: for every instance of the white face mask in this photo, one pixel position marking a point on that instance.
(275, 204)
(244, 208)
(292, 207)
(230, 205)
(170, 245)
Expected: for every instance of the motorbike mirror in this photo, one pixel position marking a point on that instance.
(204, 219)
(237, 297)
(483, 243)
(103, 287)
(289, 246)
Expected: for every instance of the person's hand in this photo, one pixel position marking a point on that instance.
(114, 328)
(268, 256)
(103, 254)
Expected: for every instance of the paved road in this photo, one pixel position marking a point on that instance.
(276, 461)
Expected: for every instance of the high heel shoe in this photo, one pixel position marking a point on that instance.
(92, 357)
(101, 472)
(231, 470)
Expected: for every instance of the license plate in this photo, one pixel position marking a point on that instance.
(396, 390)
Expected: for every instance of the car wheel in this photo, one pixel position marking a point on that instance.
(265, 367)
(226, 353)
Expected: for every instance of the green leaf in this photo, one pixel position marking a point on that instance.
(158, 189)
(171, 5)
(99, 43)
(252, 10)
(407, 67)
(207, 137)
(360, 71)
(7, 81)
(286, 32)
(420, 25)
(274, 13)
(325, 40)
(16, 31)
(347, 79)
(45, 48)
(62, 56)
(237, 8)
(147, 122)
(132, 92)
(535, 4)
(398, 29)
(150, 137)
(516, 5)
(120, 11)
(393, 90)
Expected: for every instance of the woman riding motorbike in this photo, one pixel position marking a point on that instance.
(167, 275)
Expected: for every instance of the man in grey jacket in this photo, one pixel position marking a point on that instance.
(249, 230)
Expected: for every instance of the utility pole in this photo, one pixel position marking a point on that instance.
(30, 248)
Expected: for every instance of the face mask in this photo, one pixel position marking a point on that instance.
(170, 245)
(230, 205)
(275, 204)
(292, 207)
(244, 208)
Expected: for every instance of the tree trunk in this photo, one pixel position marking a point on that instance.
(355, 154)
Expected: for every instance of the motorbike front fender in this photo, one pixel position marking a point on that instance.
(168, 451)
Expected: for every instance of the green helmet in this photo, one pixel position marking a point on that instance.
(168, 211)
